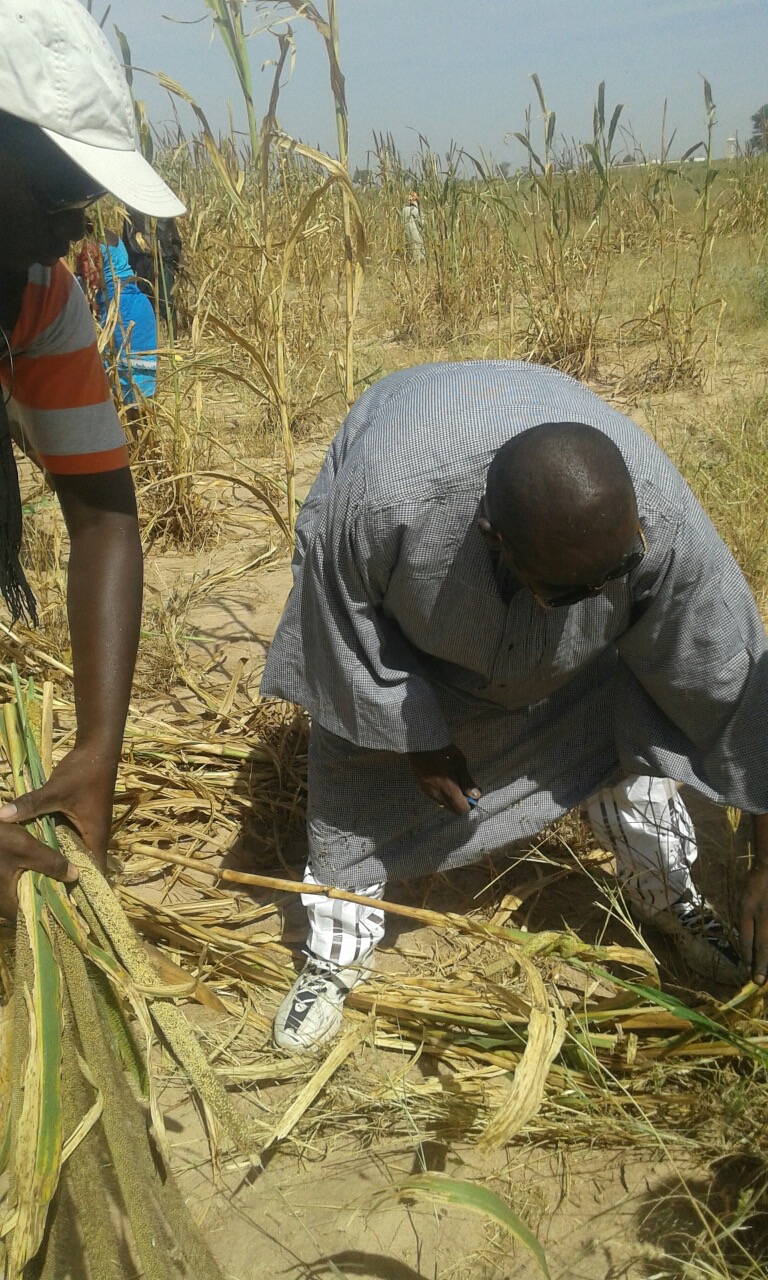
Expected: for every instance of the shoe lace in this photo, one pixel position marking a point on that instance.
(313, 985)
(315, 982)
(704, 921)
(699, 918)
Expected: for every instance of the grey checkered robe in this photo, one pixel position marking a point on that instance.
(403, 633)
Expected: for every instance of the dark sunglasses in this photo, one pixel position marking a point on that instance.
(574, 595)
(55, 207)
(73, 201)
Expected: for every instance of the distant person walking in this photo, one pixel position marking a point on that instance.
(414, 240)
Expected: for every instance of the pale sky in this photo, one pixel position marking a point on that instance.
(459, 69)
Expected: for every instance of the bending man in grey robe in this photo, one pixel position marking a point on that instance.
(474, 671)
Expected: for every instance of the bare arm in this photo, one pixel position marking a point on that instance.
(104, 592)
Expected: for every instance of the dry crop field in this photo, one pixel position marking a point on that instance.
(527, 1086)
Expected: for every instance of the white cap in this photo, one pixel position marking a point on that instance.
(58, 71)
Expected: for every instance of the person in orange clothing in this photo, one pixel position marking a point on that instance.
(66, 138)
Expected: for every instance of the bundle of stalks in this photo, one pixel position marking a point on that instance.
(77, 1145)
(625, 1028)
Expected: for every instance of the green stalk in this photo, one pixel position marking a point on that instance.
(165, 1236)
(81, 1216)
(170, 1019)
(127, 1144)
(36, 1133)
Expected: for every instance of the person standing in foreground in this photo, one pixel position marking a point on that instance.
(66, 138)
(507, 602)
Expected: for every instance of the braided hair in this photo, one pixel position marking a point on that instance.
(14, 587)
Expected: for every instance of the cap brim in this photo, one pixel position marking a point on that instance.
(125, 174)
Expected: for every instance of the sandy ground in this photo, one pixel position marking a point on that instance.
(599, 1216)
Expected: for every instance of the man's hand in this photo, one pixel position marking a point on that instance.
(19, 852)
(753, 914)
(81, 788)
(444, 776)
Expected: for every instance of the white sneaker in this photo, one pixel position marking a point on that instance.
(709, 947)
(310, 1014)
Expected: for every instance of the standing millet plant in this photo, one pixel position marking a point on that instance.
(274, 250)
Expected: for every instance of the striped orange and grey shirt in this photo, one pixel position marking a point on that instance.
(60, 393)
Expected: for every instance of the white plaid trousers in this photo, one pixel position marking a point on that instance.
(642, 821)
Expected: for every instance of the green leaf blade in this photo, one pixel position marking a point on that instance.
(468, 1195)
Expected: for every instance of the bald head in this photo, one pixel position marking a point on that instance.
(561, 498)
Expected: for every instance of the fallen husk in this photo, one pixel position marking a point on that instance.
(76, 1074)
(545, 1036)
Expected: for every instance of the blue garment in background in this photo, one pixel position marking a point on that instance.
(135, 335)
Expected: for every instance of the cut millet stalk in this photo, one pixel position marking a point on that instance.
(170, 1019)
